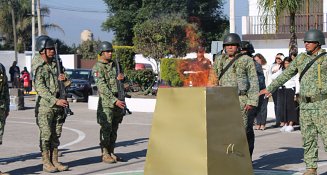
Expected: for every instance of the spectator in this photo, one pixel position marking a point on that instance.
(14, 74)
(26, 80)
(274, 68)
(286, 104)
(261, 117)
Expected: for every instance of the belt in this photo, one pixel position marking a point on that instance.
(242, 92)
(313, 99)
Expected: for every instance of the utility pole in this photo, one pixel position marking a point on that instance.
(232, 16)
(14, 28)
(33, 28)
(39, 22)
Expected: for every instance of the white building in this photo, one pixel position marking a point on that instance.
(276, 38)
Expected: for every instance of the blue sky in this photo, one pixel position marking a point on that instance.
(74, 16)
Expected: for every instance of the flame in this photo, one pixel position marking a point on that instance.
(192, 37)
(196, 74)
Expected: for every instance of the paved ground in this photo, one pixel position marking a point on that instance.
(275, 152)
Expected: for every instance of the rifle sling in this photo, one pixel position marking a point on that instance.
(310, 64)
(229, 65)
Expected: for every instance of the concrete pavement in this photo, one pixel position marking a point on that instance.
(275, 152)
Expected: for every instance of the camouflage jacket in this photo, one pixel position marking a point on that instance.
(241, 74)
(309, 85)
(46, 81)
(4, 90)
(105, 79)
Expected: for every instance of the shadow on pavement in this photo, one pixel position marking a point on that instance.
(277, 160)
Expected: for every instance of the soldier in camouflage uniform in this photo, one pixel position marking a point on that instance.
(242, 74)
(109, 112)
(313, 96)
(4, 103)
(247, 48)
(49, 110)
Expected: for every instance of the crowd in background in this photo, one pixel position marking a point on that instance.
(284, 99)
(20, 79)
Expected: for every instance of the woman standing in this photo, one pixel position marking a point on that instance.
(261, 117)
(286, 104)
(276, 66)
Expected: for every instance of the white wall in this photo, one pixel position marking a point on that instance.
(269, 48)
(241, 9)
(25, 60)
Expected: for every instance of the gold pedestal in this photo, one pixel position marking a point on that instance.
(198, 131)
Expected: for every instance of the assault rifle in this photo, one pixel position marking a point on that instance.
(121, 90)
(62, 88)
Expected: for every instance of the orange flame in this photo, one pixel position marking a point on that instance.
(196, 74)
(192, 37)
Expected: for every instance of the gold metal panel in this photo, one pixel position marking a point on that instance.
(192, 130)
(228, 151)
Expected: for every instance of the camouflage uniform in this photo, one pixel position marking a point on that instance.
(4, 99)
(49, 117)
(108, 114)
(313, 114)
(243, 75)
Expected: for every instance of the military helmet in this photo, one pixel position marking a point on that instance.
(43, 42)
(232, 38)
(105, 46)
(314, 35)
(246, 45)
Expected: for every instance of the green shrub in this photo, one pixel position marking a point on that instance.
(126, 56)
(143, 78)
(169, 73)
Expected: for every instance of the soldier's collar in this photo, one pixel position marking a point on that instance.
(319, 52)
(103, 62)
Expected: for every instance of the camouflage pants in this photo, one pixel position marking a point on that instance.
(2, 123)
(109, 120)
(313, 122)
(50, 122)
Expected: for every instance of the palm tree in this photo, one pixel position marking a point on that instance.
(23, 21)
(277, 8)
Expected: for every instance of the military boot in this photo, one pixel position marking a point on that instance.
(1, 173)
(114, 156)
(106, 158)
(311, 171)
(55, 161)
(47, 165)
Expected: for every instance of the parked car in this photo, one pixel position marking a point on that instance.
(83, 84)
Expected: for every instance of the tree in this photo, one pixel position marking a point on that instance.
(121, 19)
(88, 49)
(161, 37)
(124, 15)
(22, 13)
(275, 9)
(63, 48)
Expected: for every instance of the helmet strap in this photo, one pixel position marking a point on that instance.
(310, 52)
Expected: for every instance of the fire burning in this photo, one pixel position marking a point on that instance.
(196, 73)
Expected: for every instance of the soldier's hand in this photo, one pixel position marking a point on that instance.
(120, 104)
(120, 76)
(264, 91)
(62, 103)
(248, 107)
(62, 77)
